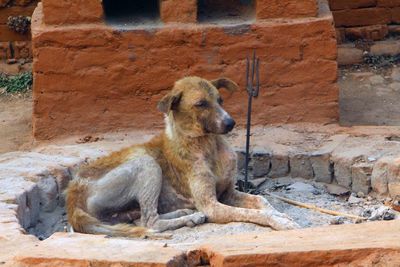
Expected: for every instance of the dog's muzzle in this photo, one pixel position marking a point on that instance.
(229, 124)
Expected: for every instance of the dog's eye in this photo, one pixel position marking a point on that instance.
(220, 101)
(201, 104)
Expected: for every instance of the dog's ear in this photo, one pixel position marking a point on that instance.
(226, 83)
(169, 102)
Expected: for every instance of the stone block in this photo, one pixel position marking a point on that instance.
(322, 167)
(241, 159)
(361, 177)
(348, 55)
(342, 171)
(279, 166)
(385, 48)
(300, 166)
(379, 176)
(28, 207)
(395, 74)
(393, 178)
(361, 17)
(48, 193)
(261, 163)
(394, 29)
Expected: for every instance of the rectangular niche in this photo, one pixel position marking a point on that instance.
(125, 13)
(225, 11)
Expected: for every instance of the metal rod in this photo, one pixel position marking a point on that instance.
(252, 92)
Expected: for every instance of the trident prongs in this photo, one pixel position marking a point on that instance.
(252, 76)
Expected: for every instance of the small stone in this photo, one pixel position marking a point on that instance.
(376, 79)
(360, 195)
(337, 220)
(396, 74)
(258, 182)
(395, 86)
(389, 215)
(337, 190)
(301, 187)
(354, 200)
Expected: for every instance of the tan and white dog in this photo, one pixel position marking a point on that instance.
(182, 177)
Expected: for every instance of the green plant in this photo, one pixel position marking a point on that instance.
(16, 84)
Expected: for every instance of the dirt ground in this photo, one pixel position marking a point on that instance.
(15, 123)
(370, 95)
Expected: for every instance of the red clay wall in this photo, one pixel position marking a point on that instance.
(95, 78)
(14, 45)
(365, 19)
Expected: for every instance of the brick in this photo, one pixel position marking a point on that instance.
(72, 11)
(5, 51)
(340, 35)
(351, 4)
(374, 32)
(266, 9)
(22, 49)
(4, 3)
(362, 17)
(395, 15)
(178, 11)
(388, 3)
(23, 2)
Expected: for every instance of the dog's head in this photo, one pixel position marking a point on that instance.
(194, 106)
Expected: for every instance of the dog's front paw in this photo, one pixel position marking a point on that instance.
(280, 221)
(196, 219)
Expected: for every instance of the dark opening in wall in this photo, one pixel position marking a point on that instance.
(225, 11)
(132, 12)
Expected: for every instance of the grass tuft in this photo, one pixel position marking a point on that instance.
(20, 83)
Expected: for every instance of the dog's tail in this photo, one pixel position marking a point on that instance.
(81, 221)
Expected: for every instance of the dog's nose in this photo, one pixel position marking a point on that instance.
(229, 124)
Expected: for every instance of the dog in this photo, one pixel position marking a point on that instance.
(182, 177)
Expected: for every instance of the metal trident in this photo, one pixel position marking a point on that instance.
(252, 88)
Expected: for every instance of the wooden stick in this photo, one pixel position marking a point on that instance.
(312, 207)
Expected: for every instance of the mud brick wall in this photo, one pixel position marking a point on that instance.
(365, 19)
(14, 45)
(92, 77)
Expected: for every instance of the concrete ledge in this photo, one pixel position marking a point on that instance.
(366, 245)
